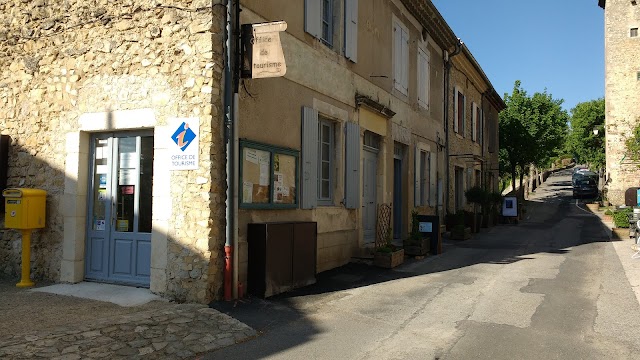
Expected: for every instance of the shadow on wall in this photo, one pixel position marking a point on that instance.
(190, 275)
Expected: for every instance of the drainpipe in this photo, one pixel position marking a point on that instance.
(230, 127)
(483, 165)
(447, 77)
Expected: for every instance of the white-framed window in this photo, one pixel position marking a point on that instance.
(422, 174)
(400, 57)
(459, 111)
(425, 191)
(318, 20)
(424, 70)
(326, 144)
(476, 123)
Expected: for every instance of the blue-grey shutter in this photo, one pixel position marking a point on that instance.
(309, 158)
(416, 177)
(352, 166)
(313, 17)
(351, 30)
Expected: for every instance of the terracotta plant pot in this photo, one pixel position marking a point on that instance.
(388, 259)
(620, 233)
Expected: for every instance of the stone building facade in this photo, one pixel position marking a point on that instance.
(472, 142)
(79, 77)
(622, 85)
(96, 96)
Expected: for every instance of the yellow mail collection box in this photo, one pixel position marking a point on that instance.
(24, 208)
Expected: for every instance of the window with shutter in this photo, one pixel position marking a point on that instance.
(459, 112)
(474, 122)
(351, 30)
(309, 158)
(400, 57)
(325, 162)
(423, 79)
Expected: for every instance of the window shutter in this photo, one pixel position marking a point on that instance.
(405, 61)
(422, 78)
(309, 158)
(455, 111)
(313, 17)
(474, 121)
(351, 30)
(397, 56)
(432, 179)
(352, 166)
(417, 172)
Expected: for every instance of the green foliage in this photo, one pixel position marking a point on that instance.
(532, 130)
(633, 145)
(388, 246)
(476, 195)
(608, 212)
(582, 143)
(621, 218)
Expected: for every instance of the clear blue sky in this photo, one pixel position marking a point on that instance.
(552, 44)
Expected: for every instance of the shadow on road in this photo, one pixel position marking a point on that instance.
(502, 244)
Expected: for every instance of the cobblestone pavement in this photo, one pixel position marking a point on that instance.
(157, 331)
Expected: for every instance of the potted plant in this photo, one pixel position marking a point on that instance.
(608, 215)
(621, 224)
(417, 244)
(477, 196)
(388, 255)
(460, 231)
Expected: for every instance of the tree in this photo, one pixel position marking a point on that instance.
(532, 130)
(585, 146)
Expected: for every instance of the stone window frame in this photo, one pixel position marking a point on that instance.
(633, 32)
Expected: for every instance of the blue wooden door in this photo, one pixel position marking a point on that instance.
(397, 198)
(369, 203)
(119, 219)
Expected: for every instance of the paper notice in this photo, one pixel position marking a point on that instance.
(247, 192)
(277, 177)
(264, 157)
(251, 155)
(264, 174)
(285, 191)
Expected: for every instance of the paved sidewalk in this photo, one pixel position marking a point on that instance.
(36, 324)
(624, 249)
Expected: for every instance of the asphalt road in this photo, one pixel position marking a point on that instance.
(551, 287)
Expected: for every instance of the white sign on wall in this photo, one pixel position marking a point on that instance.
(184, 143)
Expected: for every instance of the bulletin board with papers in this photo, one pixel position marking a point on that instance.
(268, 176)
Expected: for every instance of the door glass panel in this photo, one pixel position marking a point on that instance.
(127, 179)
(100, 196)
(146, 184)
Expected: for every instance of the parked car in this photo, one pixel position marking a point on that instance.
(585, 184)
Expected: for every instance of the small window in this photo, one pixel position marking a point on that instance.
(458, 124)
(325, 162)
(633, 32)
(638, 76)
(371, 140)
(327, 22)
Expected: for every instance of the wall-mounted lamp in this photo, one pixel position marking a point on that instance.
(595, 131)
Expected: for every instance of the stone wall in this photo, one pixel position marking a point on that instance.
(621, 95)
(61, 59)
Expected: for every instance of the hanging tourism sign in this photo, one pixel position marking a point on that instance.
(263, 55)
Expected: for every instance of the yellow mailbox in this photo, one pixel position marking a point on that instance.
(24, 208)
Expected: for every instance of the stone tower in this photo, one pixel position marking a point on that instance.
(622, 89)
